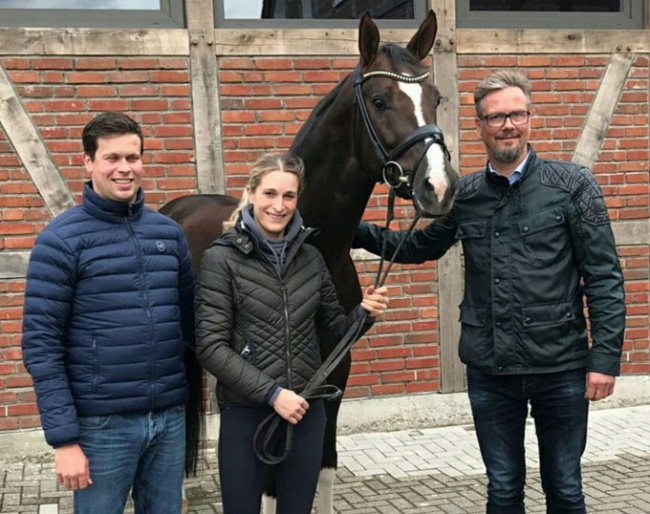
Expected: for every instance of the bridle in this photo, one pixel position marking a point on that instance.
(268, 433)
(394, 176)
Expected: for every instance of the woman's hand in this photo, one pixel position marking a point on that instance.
(375, 301)
(290, 406)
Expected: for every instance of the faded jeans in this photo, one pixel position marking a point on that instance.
(558, 406)
(144, 452)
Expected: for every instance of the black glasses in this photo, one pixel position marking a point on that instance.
(499, 119)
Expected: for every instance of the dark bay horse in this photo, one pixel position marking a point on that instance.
(378, 124)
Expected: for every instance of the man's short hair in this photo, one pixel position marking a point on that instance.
(497, 81)
(109, 124)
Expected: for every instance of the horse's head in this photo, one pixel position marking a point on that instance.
(398, 102)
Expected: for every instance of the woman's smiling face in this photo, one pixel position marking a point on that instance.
(274, 202)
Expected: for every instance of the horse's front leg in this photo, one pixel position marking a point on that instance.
(339, 378)
(326, 491)
(269, 504)
(269, 493)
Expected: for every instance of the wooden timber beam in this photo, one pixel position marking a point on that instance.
(13, 265)
(544, 41)
(30, 148)
(206, 113)
(450, 274)
(69, 41)
(602, 109)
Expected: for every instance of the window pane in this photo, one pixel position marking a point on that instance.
(319, 9)
(140, 5)
(550, 14)
(546, 5)
(238, 10)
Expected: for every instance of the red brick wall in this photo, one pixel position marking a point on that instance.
(264, 101)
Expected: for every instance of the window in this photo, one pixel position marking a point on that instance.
(318, 13)
(92, 13)
(556, 14)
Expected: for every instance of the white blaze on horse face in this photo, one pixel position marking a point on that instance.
(435, 157)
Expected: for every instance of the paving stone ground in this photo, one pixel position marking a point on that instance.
(423, 471)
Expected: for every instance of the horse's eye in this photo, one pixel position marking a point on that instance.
(378, 103)
(438, 100)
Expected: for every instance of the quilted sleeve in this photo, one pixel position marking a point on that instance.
(48, 299)
(214, 317)
(331, 321)
(595, 251)
(430, 243)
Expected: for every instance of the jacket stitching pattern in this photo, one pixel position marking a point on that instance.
(583, 188)
(469, 184)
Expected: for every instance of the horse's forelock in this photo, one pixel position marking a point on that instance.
(402, 58)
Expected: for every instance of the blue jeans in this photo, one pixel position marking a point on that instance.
(558, 406)
(140, 451)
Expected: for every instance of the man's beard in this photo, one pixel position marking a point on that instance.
(507, 154)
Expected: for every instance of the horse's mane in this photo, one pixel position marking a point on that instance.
(399, 56)
(321, 106)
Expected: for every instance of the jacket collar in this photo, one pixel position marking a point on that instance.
(498, 181)
(241, 238)
(110, 210)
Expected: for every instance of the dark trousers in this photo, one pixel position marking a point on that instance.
(241, 472)
(558, 406)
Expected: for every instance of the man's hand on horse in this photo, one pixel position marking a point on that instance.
(290, 406)
(375, 301)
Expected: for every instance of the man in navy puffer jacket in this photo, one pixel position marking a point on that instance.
(108, 316)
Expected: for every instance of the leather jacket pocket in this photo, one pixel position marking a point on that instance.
(553, 333)
(475, 347)
(545, 237)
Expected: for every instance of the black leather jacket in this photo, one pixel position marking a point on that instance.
(256, 330)
(533, 251)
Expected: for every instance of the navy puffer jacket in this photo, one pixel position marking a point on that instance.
(108, 310)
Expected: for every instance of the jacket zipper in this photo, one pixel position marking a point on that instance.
(147, 303)
(287, 334)
(95, 365)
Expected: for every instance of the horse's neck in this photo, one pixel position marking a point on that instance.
(337, 187)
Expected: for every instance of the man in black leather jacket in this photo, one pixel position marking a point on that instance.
(537, 241)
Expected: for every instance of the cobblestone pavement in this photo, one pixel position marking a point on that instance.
(423, 471)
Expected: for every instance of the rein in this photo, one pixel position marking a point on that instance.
(315, 388)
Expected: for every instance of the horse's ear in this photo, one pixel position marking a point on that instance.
(422, 42)
(368, 40)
